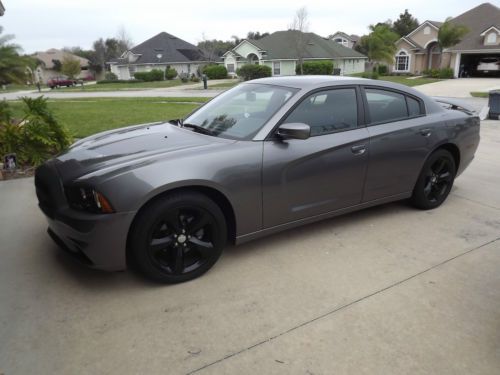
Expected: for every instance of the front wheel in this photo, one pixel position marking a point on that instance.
(178, 238)
(435, 180)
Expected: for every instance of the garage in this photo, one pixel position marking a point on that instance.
(479, 65)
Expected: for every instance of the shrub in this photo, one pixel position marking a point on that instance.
(35, 137)
(445, 73)
(316, 68)
(382, 70)
(170, 73)
(110, 76)
(152, 75)
(215, 71)
(194, 78)
(252, 71)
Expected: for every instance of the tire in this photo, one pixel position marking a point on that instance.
(178, 238)
(435, 180)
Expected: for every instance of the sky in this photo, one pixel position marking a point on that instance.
(42, 24)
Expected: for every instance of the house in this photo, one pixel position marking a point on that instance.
(278, 51)
(419, 50)
(346, 40)
(50, 64)
(158, 52)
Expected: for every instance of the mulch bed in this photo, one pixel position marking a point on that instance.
(17, 173)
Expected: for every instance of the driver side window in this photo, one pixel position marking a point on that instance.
(327, 111)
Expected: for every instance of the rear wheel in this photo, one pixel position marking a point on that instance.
(178, 238)
(435, 180)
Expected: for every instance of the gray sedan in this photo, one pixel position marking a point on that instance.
(265, 156)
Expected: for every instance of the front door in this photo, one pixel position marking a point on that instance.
(326, 172)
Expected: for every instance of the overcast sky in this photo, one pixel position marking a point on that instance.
(42, 24)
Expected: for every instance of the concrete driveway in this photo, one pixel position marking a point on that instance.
(460, 88)
(389, 290)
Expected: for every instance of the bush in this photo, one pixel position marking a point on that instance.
(382, 70)
(35, 137)
(153, 75)
(316, 68)
(194, 78)
(215, 71)
(170, 73)
(252, 71)
(445, 73)
(110, 76)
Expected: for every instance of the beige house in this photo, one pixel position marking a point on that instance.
(419, 50)
(47, 69)
(344, 39)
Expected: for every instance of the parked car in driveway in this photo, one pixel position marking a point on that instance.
(61, 82)
(265, 156)
(489, 65)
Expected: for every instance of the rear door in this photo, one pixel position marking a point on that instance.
(304, 178)
(400, 140)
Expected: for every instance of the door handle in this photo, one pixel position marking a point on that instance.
(358, 149)
(425, 132)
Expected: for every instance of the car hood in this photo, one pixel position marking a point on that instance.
(130, 147)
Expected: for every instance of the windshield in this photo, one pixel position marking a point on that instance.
(241, 112)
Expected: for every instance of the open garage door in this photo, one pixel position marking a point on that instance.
(480, 65)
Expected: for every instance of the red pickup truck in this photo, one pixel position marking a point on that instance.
(60, 82)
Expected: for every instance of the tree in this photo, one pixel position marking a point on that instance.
(214, 48)
(300, 37)
(106, 50)
(450, 34)
(380, 43)
(256, 35)
(57, 65)
(405, 24)
(13, 66)
(124, 38)
(70, 67)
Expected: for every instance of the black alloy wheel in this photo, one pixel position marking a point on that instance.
(435, 180)
(179, 238)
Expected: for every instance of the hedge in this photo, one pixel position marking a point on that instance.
(153, 75)
(316, 68)
(215, 71)
(252, 71)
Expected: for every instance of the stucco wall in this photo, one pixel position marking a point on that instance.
(246, 48)
(422, 38)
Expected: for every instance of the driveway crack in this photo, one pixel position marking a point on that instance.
(342, 307)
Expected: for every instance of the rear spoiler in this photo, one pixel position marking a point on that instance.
(459, 105)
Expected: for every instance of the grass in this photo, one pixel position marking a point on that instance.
(478, 94)
(12, 87)
(128, 86)
(84, 117)
(404, 80)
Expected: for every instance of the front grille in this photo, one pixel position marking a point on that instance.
(47, 189)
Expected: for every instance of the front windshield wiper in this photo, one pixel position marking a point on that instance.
(199, 129)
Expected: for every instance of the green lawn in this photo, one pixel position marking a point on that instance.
(479, 94)
(404, 80)
(127, 86)
(84, 117)
(15, 87)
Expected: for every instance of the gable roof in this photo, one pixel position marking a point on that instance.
(170, 49)
(434, 24)
(48, 56)
(477, 20)
(280, 45)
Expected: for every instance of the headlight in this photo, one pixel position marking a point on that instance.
(88, 199)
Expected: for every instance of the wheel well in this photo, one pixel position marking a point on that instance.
(453, 150)
(219, 199)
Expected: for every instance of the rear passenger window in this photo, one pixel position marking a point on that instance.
(413, 107)
(386, 106)
(327, 111)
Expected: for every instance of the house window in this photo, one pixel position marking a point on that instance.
(402, 62)
(342, 41)
(230, 68)
(276, 68)
(427, 30)
(491, 38)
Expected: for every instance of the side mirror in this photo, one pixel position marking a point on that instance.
(295, 130)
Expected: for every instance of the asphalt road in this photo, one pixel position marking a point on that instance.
(388, 290)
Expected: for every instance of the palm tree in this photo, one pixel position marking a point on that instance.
(449, 35)
(13, 66)
(380, 44)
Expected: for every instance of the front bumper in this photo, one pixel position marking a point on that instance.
(98, 241)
